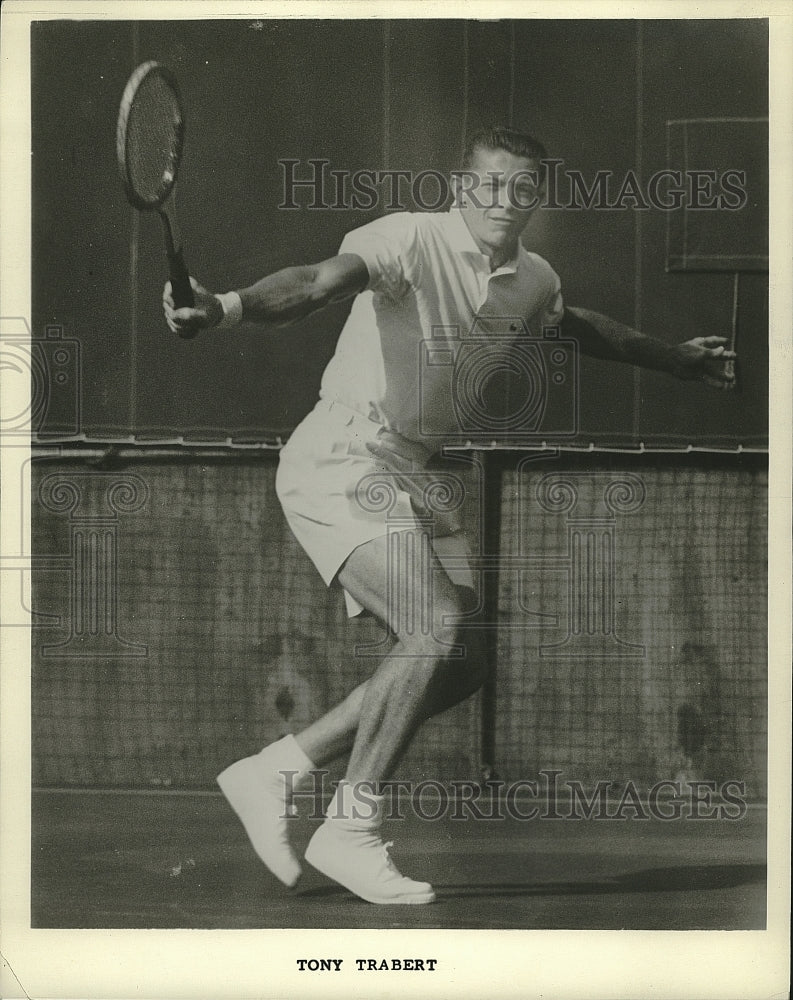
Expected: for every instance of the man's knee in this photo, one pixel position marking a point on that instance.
(435, 637)
(433, 648)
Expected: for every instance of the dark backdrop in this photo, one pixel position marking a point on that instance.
(367, 93)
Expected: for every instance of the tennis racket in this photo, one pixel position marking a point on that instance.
(149, 144)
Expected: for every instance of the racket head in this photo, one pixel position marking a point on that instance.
(150, 135)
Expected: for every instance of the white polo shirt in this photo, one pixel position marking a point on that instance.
(429, 286)
(429, 289)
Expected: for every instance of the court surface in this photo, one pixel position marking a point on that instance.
(164, 860)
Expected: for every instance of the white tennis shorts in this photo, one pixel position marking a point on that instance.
(319, 484)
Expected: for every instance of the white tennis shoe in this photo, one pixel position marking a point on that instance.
(359, 860)
(257, 792)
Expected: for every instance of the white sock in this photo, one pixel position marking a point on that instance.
(285, 756)
(355, 806)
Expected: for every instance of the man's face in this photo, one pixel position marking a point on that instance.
(498, 194)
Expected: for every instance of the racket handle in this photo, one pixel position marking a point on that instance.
(181, 288)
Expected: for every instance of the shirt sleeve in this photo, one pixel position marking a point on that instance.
(552, 311)
(388, 247)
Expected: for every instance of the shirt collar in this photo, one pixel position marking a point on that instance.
(461, 240)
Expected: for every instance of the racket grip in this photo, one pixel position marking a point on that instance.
(181, 288)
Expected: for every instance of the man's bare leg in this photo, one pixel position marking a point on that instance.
(423, 612)
(332, 735)
(378, 719)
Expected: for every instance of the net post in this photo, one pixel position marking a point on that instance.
(491, 545)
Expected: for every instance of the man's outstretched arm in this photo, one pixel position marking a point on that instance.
(279, 298)
(702, 358)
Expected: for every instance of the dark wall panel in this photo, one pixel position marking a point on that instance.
(425, 110)
(287, 90)
(489, 81)
(679, 83)
(575, 89)
(80, 221)
(372, 94)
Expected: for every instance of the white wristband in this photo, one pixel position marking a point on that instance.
(232, 310)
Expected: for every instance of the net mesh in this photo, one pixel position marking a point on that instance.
(189, 628)
(153, 139)
(677, 687)
(228, 638)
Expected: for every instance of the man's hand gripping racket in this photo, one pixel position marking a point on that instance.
(149, 144)
(205, 311)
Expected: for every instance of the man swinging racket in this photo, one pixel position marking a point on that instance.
(411, 274)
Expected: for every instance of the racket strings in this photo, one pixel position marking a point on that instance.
(154, 133)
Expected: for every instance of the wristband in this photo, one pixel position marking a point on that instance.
(231, 304)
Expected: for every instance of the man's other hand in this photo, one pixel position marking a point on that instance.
(206, 312)
(399, 454)
(407, 462)
(403, 459)
(706, 359)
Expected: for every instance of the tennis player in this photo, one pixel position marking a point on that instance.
(410, 274)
